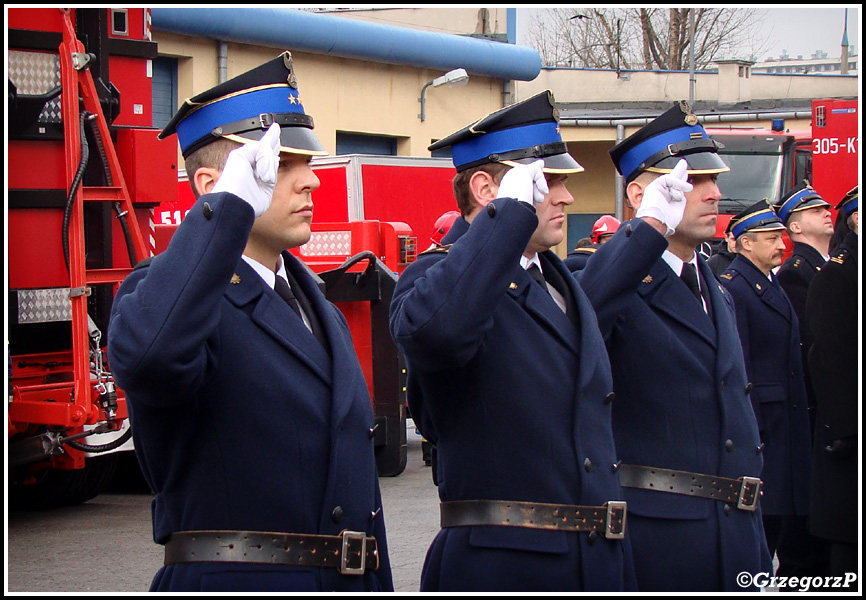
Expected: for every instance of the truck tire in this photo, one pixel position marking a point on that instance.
(56, 488)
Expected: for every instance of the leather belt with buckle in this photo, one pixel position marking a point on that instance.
(351, 553)
(744, 492)
(607, 520)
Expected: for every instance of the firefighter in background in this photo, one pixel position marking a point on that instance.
(249, 409)
(682, 419)
(507, 371)
(722, 259)
(809, 223)
(602, 230)
(770, 335)
(832, 308)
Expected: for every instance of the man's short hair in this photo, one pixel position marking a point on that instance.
(463, 193)
(212, 155)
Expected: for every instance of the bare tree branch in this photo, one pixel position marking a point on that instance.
(649, 38)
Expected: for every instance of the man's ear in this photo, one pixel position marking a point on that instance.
(205, 178)
(634, 193)
(483, 187)
(795, 227)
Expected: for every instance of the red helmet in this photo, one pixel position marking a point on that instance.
(443, 224)
(605, 225)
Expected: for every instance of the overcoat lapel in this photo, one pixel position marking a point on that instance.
(274, 316)
(664, 291)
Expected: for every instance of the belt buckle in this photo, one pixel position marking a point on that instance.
(612, 529)
(748, 499)
(353, 538)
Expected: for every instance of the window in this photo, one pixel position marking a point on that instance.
(119, 22)
(360, 143)
(164, 93)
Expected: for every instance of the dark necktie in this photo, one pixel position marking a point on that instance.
(690, 277)
(282, 288)
(535, 273)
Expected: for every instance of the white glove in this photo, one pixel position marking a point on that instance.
(525, 183)
(251, 171)
(665, 198)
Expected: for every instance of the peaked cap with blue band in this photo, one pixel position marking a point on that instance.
(520, 133)
(851, 202)
(660, 144)
(242, 109)
(798, 199)
(758, 217)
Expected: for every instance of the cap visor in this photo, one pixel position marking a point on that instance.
(812, 204)
(699, 163)
(557, 163)
(294, 140)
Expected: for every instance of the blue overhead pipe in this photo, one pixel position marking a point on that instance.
(290, 29)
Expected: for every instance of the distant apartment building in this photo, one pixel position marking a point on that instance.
(819, 63)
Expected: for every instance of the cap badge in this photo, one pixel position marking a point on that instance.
(288, 61)
(691, 120)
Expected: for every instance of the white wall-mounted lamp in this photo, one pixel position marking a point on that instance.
(455, 77)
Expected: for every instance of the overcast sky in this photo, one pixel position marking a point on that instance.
(799, 30)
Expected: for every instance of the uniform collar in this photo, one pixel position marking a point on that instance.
(266, 273)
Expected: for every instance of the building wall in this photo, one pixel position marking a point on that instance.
(597, 85)
(347, 95)
(456, 19)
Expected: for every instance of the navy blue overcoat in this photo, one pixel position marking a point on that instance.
(241, 419)
(682, 403)
(515, 395)
(770, 335)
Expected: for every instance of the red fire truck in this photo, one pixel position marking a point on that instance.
(768, 163)
(85, 171)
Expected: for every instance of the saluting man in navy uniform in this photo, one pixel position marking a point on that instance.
(770, 335)
(508, 376)
(684, 427)
(250, 413)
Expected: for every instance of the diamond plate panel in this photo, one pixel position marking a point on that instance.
(328, 243)
(36, 73)
(44, 306)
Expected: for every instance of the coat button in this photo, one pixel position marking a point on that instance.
(627, 229)
(206, 210)
(728, 510)
(587, 465)
(729, 445)
(337, 515)
(491, 210)
(609, 398)
(592, 537)
(749, 388)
